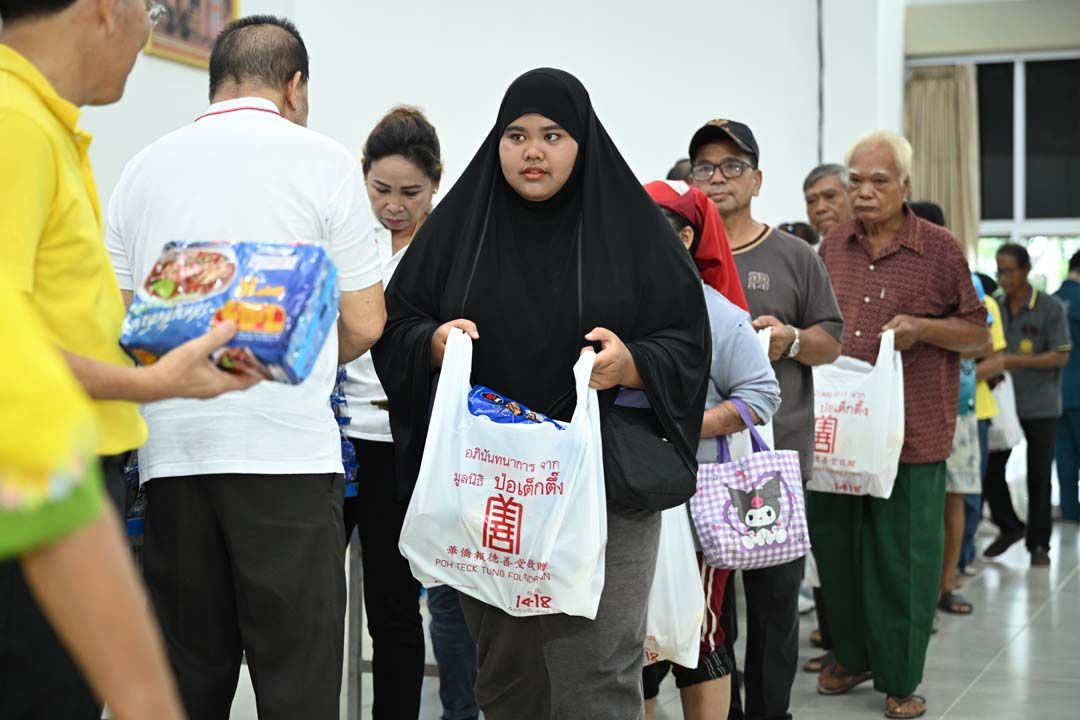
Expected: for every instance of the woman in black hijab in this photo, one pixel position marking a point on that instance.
(547, 243)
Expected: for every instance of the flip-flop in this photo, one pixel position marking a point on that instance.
(955, 604)
(894, 704)
(849, 681)
(815, 638)
(817, 664)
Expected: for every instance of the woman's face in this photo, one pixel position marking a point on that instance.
(400, 192)
(537, 156)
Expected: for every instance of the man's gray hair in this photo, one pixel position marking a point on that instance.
(898, 144)
(822, 171)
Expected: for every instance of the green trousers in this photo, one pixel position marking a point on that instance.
(880, 566)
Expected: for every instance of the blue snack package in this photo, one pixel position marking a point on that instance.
(283, 299)
(485, 402)
(340, 405)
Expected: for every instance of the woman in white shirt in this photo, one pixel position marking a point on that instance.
(402, 168)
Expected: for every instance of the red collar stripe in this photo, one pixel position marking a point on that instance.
(238, 109)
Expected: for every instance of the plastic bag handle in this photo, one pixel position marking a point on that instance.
(453, 384)
(582, 374)
(457, 369)
(886, 348)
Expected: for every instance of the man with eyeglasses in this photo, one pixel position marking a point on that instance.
(1038, 345)
(55, 57)
(788, 290)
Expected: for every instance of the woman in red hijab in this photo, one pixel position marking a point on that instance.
(712, 253)
(738, 368)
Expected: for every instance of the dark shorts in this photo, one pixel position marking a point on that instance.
(712, 666)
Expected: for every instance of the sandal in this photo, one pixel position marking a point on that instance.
(954, 604)
(815, 638)
(819, 663)
(912, 706)
(836, 680)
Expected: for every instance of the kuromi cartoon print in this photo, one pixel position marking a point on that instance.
(759, 511)
(749, 511)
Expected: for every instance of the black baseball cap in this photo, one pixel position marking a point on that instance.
(719, 130)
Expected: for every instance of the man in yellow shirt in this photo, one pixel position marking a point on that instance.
(56, 56)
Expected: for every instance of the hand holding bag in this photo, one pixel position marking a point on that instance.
(750, 513)
(859, 423)
(739, 443)
(513, 515)
(1005, 430)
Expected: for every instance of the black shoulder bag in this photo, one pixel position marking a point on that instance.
(642, 469)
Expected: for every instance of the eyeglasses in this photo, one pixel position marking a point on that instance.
(156, 11)
(730, 169)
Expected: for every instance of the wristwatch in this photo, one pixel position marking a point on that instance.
(794, 349)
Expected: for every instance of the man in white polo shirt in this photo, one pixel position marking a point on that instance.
(243, 544)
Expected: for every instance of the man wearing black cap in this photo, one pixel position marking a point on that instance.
(788, 290)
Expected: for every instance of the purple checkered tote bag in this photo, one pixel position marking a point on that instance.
(749, 513)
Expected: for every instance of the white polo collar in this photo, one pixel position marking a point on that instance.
(253, 104)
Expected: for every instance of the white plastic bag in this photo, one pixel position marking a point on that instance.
(859, 423)
(513, 515)
(1005, 430)
(810, 573)
(677, 599)
(739, 443)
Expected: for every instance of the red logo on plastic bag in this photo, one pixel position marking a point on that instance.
(825, 434)
(536, 600)
(502, 524)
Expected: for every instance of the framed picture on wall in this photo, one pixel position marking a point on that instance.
(187, 33)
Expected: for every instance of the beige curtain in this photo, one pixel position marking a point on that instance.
(941, 114)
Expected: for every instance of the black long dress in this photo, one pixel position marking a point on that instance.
(537, 276)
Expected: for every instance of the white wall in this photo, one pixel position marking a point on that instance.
(890, 64)
(864, 70)
(655, 72)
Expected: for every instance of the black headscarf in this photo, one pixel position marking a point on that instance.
(535, 277)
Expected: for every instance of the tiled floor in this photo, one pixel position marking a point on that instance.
(1017, 657)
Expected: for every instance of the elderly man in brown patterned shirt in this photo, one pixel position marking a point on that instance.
(880, 559)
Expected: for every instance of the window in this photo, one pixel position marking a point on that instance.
(995, 87)
(1052, 139)
(1049, 258)
(1029, 140)
(1029, 151)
